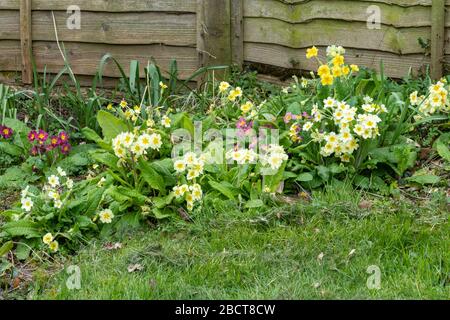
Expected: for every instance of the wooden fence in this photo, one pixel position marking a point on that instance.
(216, 32)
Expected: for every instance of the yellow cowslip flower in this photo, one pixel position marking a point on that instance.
(312, 52)
(48, 238)
(223, 86)
(345, 70)
(137, 109)
(246, 107)
(129, 114)
(354, 67)
(327, 80)
(323, 69)
(53, 246)
(123, 104)
(235, 93)
(163, 85)
(166, 121)
(338, 60)
(337, 71)
(109, 107)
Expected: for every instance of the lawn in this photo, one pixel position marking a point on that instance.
(320, 249)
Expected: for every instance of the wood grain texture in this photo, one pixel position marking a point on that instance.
(26, 41)
(119, 28)
(84, 57)
(237, 32)
(437, 38)
(108, 5)
(327, 32)
(396, 66)
(392, 15)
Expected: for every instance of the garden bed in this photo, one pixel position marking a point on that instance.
(226, 188)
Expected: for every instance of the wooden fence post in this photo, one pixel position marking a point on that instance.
(214, 33)
(26, 41)
(437, 38)
(237, 32)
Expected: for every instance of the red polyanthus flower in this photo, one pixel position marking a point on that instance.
(55, 141)
(34, 151)
(65, 148)
(6, 132)
(32, 136)
(42, 136)
(63, 137)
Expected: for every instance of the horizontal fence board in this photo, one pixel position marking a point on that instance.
(402, 3)
(108, 28)
(10, 55)
(337, 9)
(119, 28)
(326, 32)
(84, 58)
(395, 65)
(108, 5)
(9, 25)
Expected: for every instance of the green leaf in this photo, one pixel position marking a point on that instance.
(257, 203)
(93, 136)
(22, 251)
(161, 214)
(105, 158)
(23, 228)
(225, 188)
(151, 176)
(111, 125)
(304, 177)
(10, 149)
(5, 248)
(443, 150)
(424, 179)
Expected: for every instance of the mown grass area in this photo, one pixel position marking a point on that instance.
(317, 249)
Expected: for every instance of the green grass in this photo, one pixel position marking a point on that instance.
(274, 254)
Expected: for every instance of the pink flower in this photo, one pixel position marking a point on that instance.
(32, 136)
(55, 141)
(63, 137)
(42, 135)
(6, 132)
(65, 148)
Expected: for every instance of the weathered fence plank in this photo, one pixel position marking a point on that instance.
(25, 41)
(437, 38)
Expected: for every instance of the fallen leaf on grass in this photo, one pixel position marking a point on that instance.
(113, 246)
(135, 267)
(352, 252)
(365, 204)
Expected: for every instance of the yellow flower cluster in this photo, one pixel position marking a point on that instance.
(50, 241)
(194, 166)
(128, 144)
(271, 156)
(191, 194)
(335, 66)
(352, 126)
(435, 102)
(233, 93)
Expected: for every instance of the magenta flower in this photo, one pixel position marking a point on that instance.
(32, 136)
(6, 132)
(63, 137)
(34, 151)
(65, 148)
(55, 141)
(42, 136)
